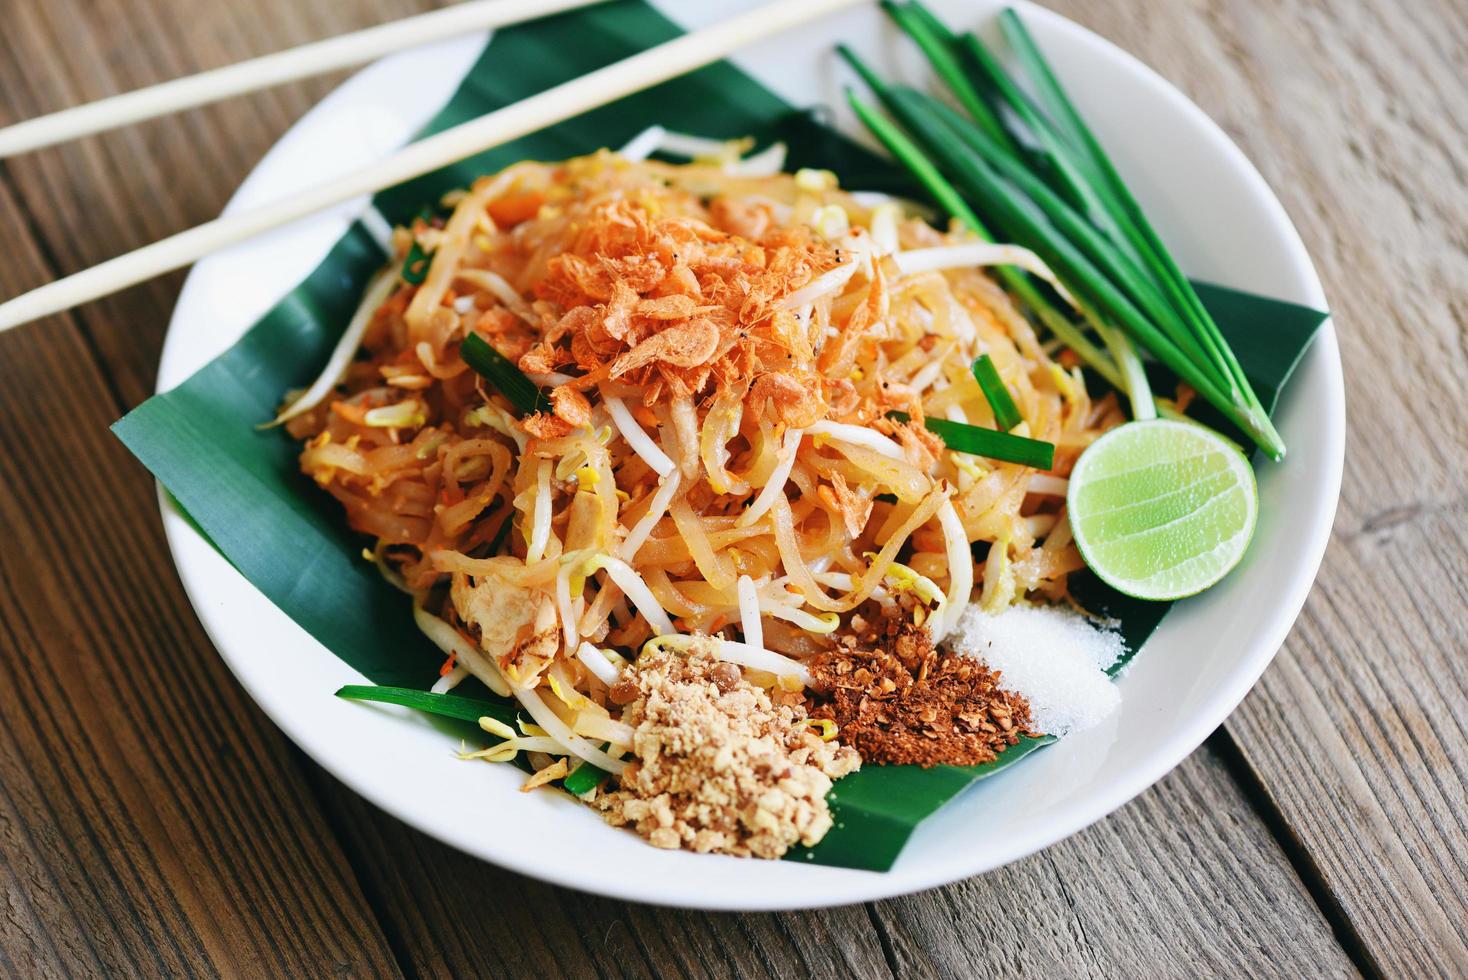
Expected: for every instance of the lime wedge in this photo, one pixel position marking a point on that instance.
(1162, 509)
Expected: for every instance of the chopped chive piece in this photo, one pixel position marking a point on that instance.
(446, 705)
(583, 779)
(978, 441)
(497, 369)
(415, 266)
(964, 438)
(1006, 414)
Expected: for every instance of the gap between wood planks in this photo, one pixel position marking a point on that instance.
(1294, 850)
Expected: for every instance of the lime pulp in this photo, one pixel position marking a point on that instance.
(1162, 509)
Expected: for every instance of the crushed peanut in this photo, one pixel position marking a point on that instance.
(719, 767)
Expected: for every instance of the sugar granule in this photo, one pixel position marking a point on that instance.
(1053, 657)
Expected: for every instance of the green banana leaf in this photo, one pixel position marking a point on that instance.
(241, 487)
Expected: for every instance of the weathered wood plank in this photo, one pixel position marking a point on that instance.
(454, 916)
(1187, 880)
(1184, 881)
(151, 821)
(107, 194)
(1354, 112)
(1356, 735)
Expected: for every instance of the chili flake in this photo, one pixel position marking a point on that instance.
(898, 701)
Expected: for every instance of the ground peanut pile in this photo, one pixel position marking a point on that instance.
(898, 701)
(719, 767)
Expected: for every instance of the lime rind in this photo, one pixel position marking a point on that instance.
(1162, 509)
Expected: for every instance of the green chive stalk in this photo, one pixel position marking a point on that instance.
(1133, 281)
(1001, 403)
(1044, 182)
(951, 201)
(1135, 225)
(1099, 300)
(939, 52)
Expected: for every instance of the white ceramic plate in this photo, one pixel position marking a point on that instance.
(1210, 205)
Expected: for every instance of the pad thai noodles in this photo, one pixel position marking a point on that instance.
(718, 512)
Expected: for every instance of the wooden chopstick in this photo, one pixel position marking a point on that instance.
(305, 61)
(642, 70)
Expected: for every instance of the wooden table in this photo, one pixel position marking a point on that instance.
(153, 821)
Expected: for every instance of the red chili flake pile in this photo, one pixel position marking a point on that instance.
(898, 701)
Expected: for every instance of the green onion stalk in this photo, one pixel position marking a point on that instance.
(1040, 178)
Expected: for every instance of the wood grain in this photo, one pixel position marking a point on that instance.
(1187, 878)
(1185, 881)
(114, 192)
(454, 916)
(152, 822)
(1355, 114)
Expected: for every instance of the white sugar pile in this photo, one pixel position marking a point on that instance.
(1053, 657)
